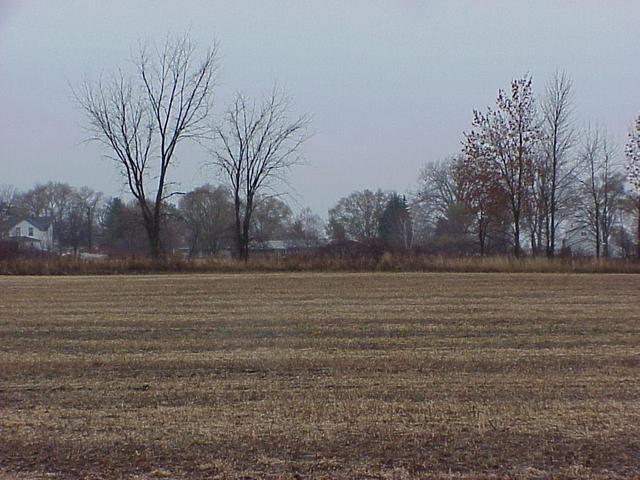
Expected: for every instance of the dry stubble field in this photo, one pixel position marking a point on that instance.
(321, 376)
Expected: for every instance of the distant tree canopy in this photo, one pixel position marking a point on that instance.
(395, 227)
(307, 227)
(207, 213)
(122, 229)
(357, 216)
(272, 219)
(367, 216)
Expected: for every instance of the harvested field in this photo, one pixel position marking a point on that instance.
(371, 375)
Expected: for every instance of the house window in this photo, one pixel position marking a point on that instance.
(18, 232)
(31, 231)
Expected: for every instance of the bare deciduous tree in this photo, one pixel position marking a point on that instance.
(556, 168)
(8, 207)
(257, 144)
(272, 219)
(466, 184)
(602, 189)
(438, 188)
(207, 213)
(307, 227)
(141, 119)
(81, 218)
(357, 216)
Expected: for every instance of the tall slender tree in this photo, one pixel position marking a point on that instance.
(602, 189)
(257, 144)
(142, 117)
(555, 169)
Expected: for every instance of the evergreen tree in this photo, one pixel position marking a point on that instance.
(395, 225)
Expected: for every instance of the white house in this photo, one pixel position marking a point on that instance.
(33, 233)
(578, 239)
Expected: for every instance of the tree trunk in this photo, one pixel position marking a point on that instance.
(238, 226)
(534, 244)
(598, 236)
(151, 221)
(481, 236)
(516, 236)
(246, 227)
(155, 247)
(551, 248)
(245, 237)
(239, 240)
(90, 228)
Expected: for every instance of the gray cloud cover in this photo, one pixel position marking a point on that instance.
(390, 84)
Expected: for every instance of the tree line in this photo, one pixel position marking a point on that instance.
(528, 173)
(527, 176)
(200, 223)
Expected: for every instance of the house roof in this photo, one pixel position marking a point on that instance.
(41, 223)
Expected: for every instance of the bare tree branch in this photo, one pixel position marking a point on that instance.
(141, 118)
(256, 146)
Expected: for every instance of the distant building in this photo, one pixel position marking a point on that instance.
(33, 233)
(578, 240)
(279, 247)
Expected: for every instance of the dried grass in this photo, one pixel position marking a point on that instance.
(387, 262)
(333, 375)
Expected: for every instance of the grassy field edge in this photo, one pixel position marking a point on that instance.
(57, 265)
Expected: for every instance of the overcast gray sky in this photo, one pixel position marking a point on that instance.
(390, 84)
